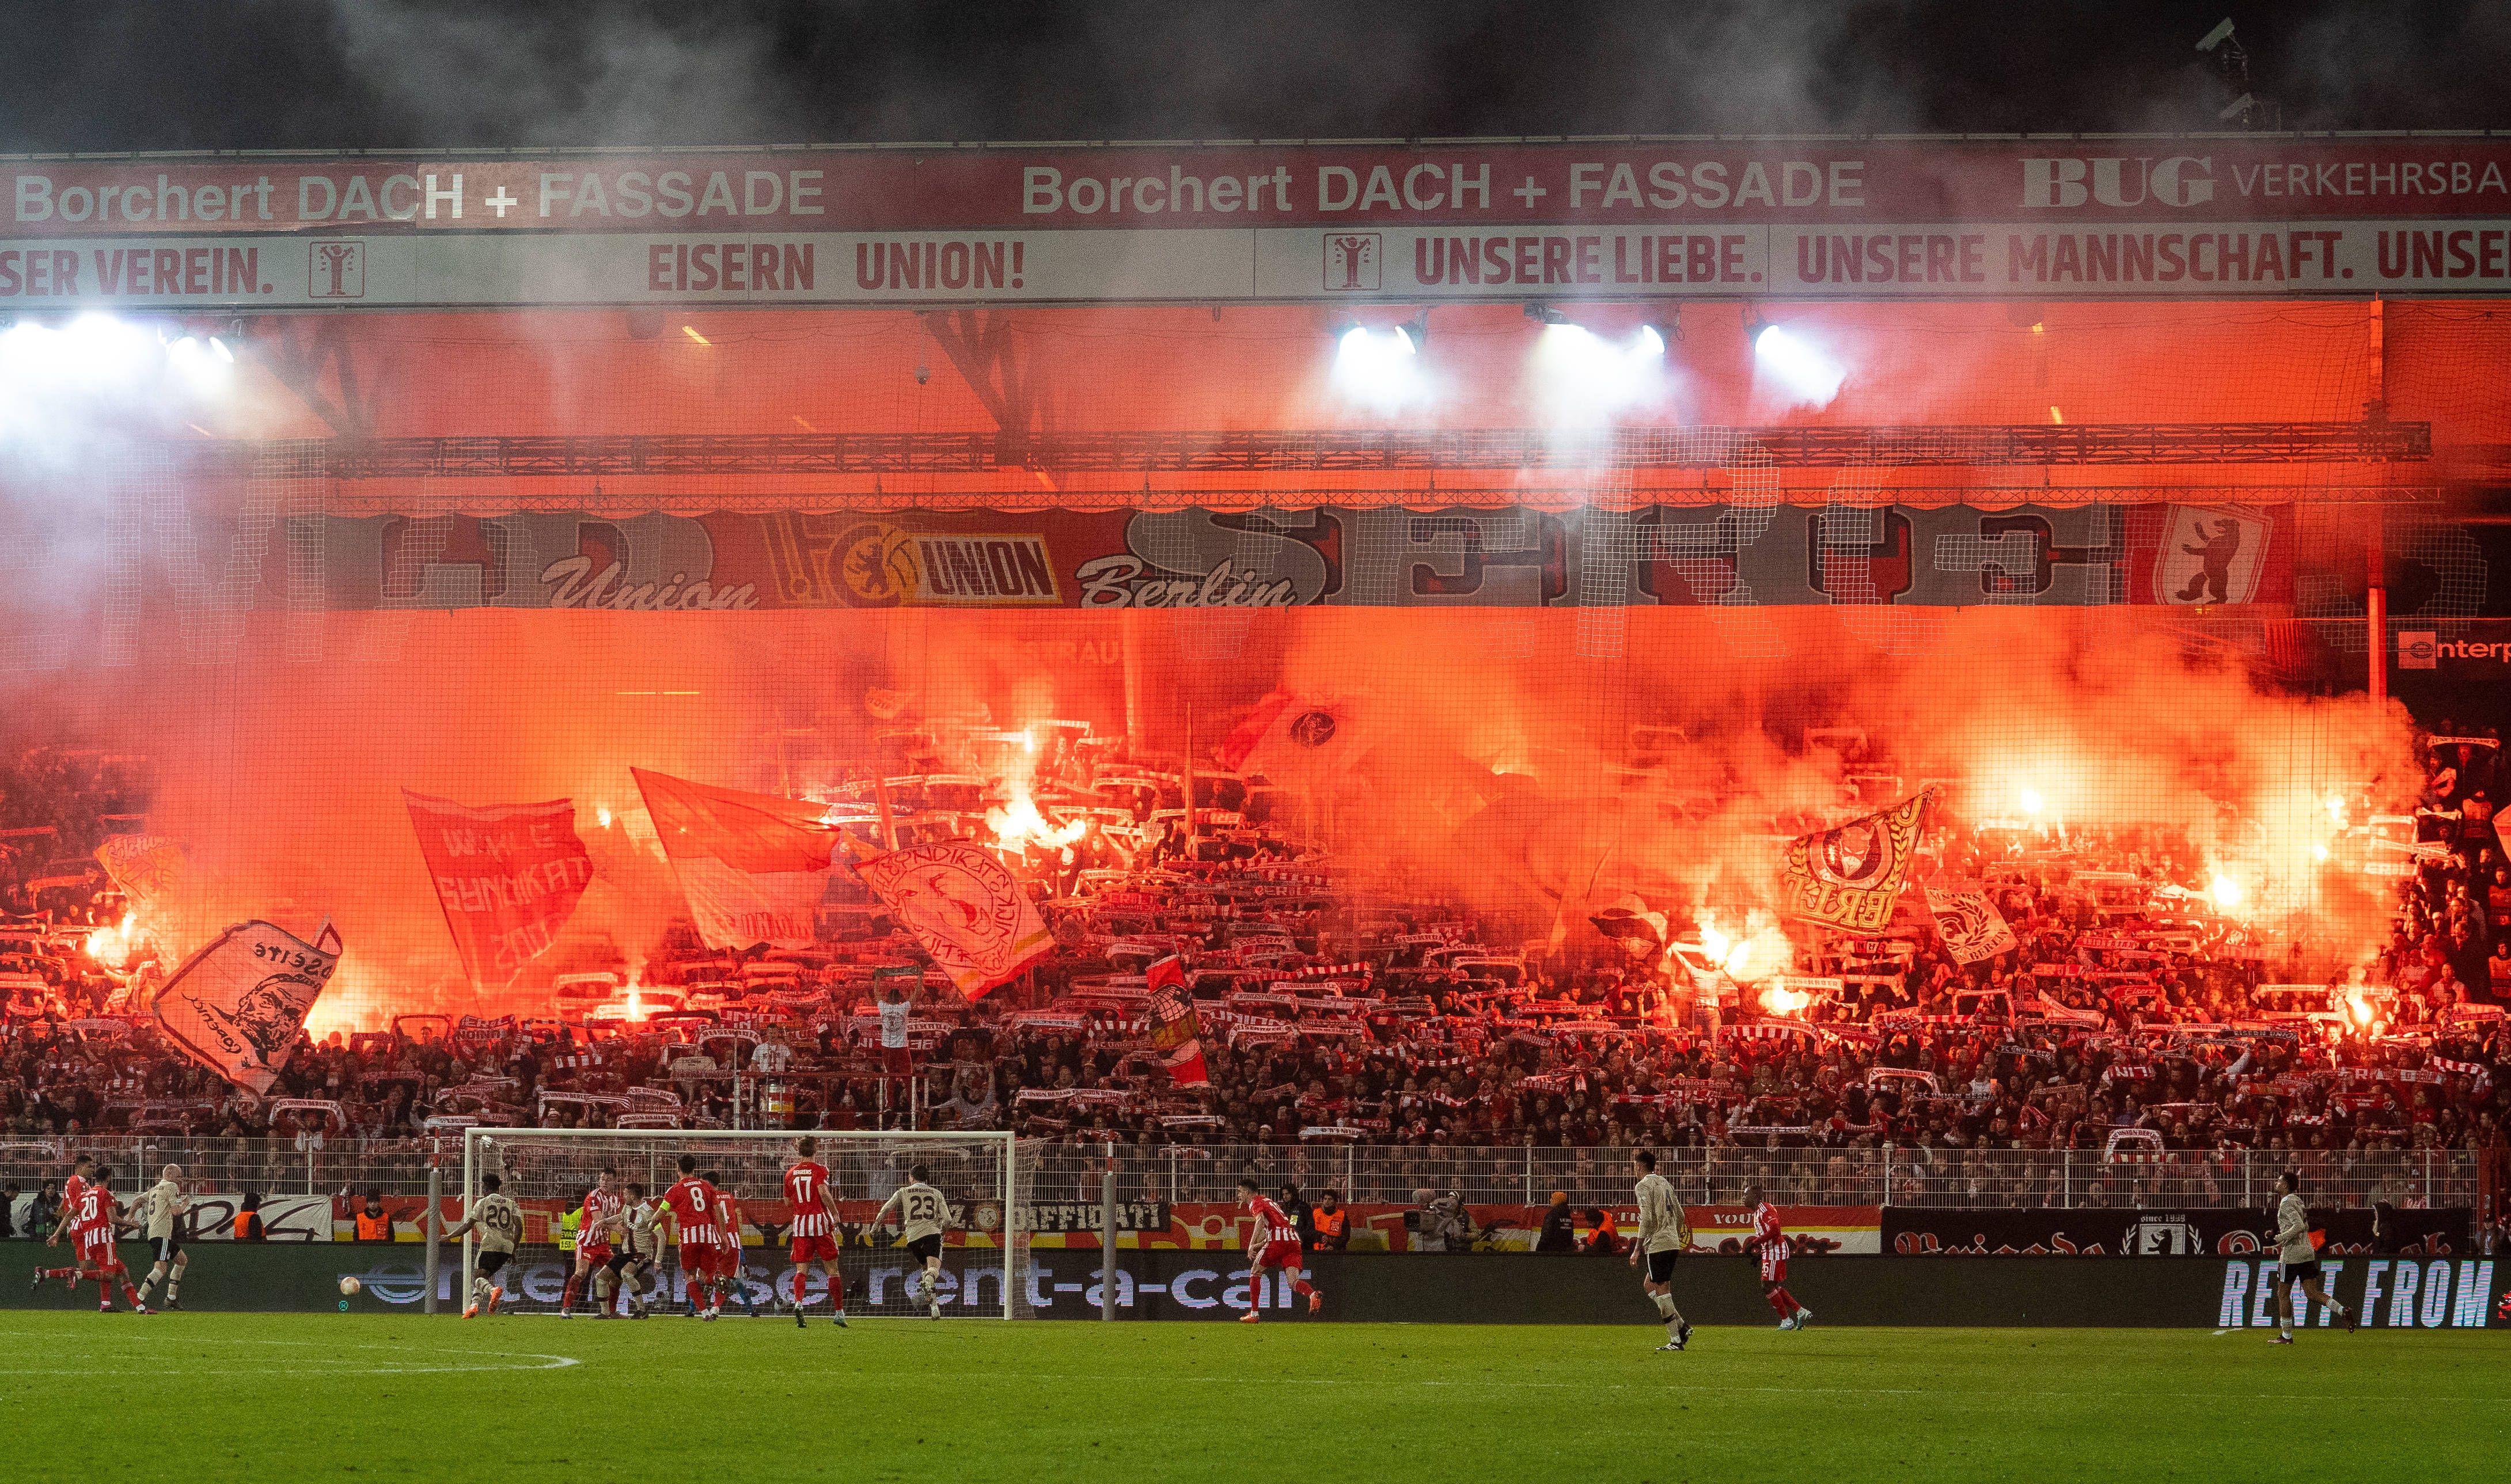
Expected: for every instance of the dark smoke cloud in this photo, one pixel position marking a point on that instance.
(417, 73)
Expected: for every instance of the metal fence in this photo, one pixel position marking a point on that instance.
(1970, 1179)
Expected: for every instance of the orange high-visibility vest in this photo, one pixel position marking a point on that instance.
(377, 1228)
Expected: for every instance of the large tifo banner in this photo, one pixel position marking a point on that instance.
(2201, 217)
(1724, 555)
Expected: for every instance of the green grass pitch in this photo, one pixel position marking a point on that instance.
(202, 1396)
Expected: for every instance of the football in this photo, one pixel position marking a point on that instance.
(349, 1285)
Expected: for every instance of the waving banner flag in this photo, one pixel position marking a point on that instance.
(236, 1006)
(1293, 737)
(1850, 877)
(149, 868)
(755, 866)
(1968, 922)
(507, 877)
(1176, 1031)
(963, 907)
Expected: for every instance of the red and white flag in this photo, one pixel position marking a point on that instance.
(1288, 737)
(1967, 920)
(962, 906)
(508, 876)
(150, 869)
(236, 1006)
(1176, 1031)
(755, 866)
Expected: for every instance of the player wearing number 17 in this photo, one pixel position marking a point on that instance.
(1771, 1239)
(811, 1225)
(1273, 1244)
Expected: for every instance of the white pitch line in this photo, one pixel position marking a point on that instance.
(1949, 1394)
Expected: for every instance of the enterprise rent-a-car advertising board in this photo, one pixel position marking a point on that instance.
(2204, 218)
(2408, 1294)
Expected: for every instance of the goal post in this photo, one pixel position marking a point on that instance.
(984, 1262)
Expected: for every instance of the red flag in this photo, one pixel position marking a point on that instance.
(753, 865)
(1293, 737)
(963, 907)
(508, 876)
(236, 1006)
(1176, 1031)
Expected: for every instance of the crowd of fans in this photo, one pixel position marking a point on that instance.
(2132, 1009)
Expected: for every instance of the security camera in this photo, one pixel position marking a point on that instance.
(2222, 33)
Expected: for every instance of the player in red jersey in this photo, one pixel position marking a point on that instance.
(602, 1207)
(73, 1189)
(1770, 1241)
(92, 1226)
(811, 1226)
(1273, 1244)
(692, 1206)
(729, 1265)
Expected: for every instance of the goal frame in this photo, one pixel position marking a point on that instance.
(1013, 1229)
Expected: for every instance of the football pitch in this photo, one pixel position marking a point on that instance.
(264, 1397)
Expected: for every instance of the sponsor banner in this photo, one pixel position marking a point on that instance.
(1512, 557)
(236, 1006)
(1859, 219)
(2127, 1231)
(428, 271)
(508, 876)
(1484, 1288)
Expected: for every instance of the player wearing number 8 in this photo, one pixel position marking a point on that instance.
(924, 1215)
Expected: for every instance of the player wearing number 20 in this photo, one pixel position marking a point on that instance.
(924, 1215)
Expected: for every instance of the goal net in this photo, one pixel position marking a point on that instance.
(548, 1172)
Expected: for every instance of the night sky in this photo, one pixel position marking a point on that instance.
(279, 74)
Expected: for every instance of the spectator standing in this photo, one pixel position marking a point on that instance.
(1302, 1215)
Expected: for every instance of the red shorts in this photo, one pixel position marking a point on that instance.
(697, 1261)
(96, 1250)
(593, 1254)
(1774, 1268)
(727, 1259)
(1277, 1254)
(814, 1249)
(896, 1061)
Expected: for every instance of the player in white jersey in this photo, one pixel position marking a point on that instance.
(500, 1225)
(161, 1211)
(924, 1215)
(631, 1254)
(2297, 1259)
(1664, 1231)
